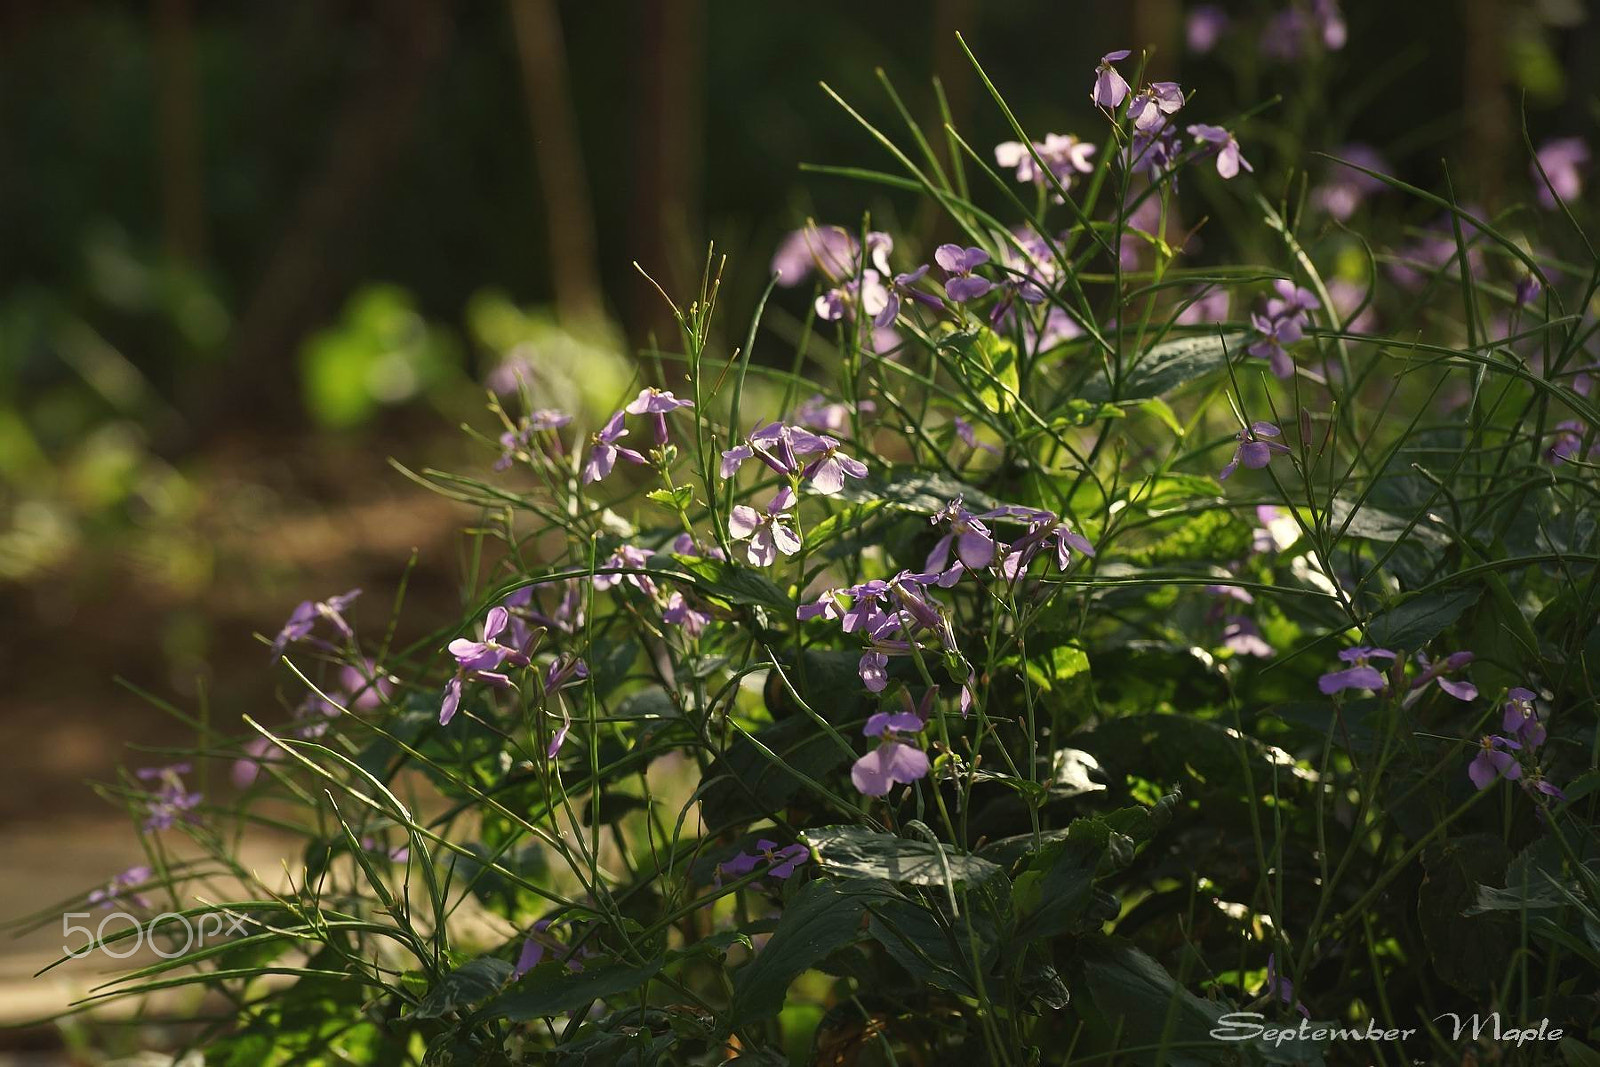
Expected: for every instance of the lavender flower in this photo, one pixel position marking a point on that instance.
(819, 413)
(305, 616)
(604, 450)
(1209, 306)
(776, 445)
(959, 263)
(828, 248)
(1110, 88)
(171, 799)
(868, 292)
(1243, 637)
(1567, 443)
(1439, 671)
(1045, 530)
(1564, 160)
(1152, 104)
(1204, 27)
(1063, 155)
(113, 889)
(1521, 719)
(1347, 188)
(827, 472)
(477, 661)
(874, 670)
(1254, 451)
(1154, 153)
(767, 533)
(975, 547)
(892, 761)
(541, 942)
(1279, 987)
(1494, 761)
(679, 612)
(627, 557)
(545, 420)
(1219, 142)
(656, 403)
(1282, 323)
(1359, 675)
(781, 862)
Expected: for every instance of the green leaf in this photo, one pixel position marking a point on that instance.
(919, 492)
(822, 918)
(734, 584)
(1411, 625)
(1056, 894)
(1374, 524)
(1125, 995)
(935, 952)
(854, 852)
(551, 989)
(744, 784)
(677, 499)
(988, 362)
(1168, 366)
(1163, 411)
(466, 986)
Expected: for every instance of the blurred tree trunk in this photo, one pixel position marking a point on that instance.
(666, 226)
(558, 155)
(180, 171)
(307, 273)
(1488, 110)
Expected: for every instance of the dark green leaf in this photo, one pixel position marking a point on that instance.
(467, 985)
(551, 989)
(1168, 366)
(853, 852)
(824, 916)
(1411, 625)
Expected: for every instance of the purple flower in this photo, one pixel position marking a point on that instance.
(1154, 154)
(828, 471)
(171, 800)
(545, 420)
(1063, 155)
(959, 263)
(1204, 28)
(1275, 335)
(564, 672)
(781, 862)
(819, 413)
(767, 533)
(1521, 719)
(1243, 637)
(1536, 786)
(627, 557)
(868, 292)
(892, 761)
(1279, 987)
(541, 941)
(477, 661)
(679, 612)
(1346, 188)
(974, 545)
(656, 403)
(1564, 160)
(1359, 675)
(305, 615)
(1152, 104)
(1254, 451)
(874, 670)
(1045, 530)
(1220, 142)
(1330, 24)
(776, 445)
(830, 248)
(604, 450)
(113, 889)
(1110, 88)
(1567, 443)
(825, 607)
(257, 751)
(1439, 671)
(1528, 290)
(1494, 761)
(1209, 306)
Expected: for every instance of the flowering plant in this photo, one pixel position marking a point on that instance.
(962, 696)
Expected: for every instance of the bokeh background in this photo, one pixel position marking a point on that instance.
(252, 252)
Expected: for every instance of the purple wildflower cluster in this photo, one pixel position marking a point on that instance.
(170, 801)
(1281, 323)
(117, 889)
(604, 451)
(1512, 754)
(779, 863)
